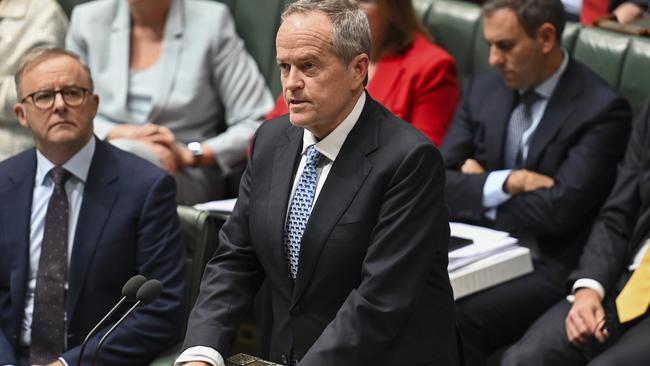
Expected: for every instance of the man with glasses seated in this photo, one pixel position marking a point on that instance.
(78, 218)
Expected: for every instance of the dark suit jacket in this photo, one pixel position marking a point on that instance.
(127, 225)
(372, 285)
(624, 221)
(581, 137)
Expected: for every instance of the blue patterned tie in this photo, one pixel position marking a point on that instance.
(300, 209)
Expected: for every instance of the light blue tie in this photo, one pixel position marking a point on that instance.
(300, 209)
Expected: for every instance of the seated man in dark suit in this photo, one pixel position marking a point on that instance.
(532, 150)
(608, 322)
(341, 210)
(78, 218)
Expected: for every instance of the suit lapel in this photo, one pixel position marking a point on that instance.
(560, 107)
(343, 182)
(100, 192)
(16, 218)
(285, 163)
(171, 52)
(497, 115)
(119, 45)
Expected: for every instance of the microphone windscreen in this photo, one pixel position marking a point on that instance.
(131, 287)
(149, 291)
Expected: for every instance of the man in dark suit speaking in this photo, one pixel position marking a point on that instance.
(532, 149)
(78, 218)
(340, 210)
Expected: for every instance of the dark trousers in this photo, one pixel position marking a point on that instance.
(546, 342)
(498, 316)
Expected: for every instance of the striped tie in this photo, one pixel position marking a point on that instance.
(520, 121)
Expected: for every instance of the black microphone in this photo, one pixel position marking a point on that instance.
(129, 292)
(147, 294)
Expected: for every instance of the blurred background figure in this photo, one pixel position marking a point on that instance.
(24, 25)
(177, 86)
(408, 74)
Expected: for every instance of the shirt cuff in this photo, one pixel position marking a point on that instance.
(493, 194)
(589, 283)
(63, 361)
(200, 353)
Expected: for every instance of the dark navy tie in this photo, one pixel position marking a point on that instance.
(48, 322)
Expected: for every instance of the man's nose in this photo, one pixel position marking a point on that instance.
(294, 80)
(59, 103)
(496, 57)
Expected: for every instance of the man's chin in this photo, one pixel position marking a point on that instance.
(299, 119)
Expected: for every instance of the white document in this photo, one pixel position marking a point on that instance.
(490, 271)
(225, 206)
(485, 242)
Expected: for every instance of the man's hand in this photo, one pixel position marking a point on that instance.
(168, 158)
(586, 318)
(133, 132)
(628, 12)
(471, 166)
(520, 181)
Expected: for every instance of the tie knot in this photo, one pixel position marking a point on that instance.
(59, 175)
(313, 156)
(528, 97)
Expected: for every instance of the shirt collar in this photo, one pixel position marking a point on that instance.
(546, 88)
(78, 165)
(332, 143)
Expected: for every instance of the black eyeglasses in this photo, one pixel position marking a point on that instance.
(72, 96)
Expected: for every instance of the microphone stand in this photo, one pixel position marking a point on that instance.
(101, 341)
(97, 327)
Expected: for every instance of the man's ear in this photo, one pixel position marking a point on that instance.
(546, 34)
(359, 68)
(21, 113)
(95, 100)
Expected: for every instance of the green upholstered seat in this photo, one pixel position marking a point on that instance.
(199, 231)
(422, 8)
(603, 52)
(570, 34)
(257, 22)
(454, 26)
(635, 78)
(481, 51)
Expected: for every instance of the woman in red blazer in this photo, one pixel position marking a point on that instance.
(412, 77)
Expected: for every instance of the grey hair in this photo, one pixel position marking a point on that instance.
(350, 29)
(32, 58)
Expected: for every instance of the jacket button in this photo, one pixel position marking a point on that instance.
(284, 359)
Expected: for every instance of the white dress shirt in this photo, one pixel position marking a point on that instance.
(78, 166)
(597, 286)
(329, 147)
(493, 194)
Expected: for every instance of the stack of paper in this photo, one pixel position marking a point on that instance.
(485, 242)
(223, 206)
(491, 271)
(493, 258)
